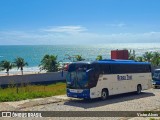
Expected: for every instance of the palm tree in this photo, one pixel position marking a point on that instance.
(20, 63)
(6, 65)
(148, 56)
(49, 63)
(99, 57)
(71, 58)
(140, 59)
(131, 55)
(79, 58)
(155, 59)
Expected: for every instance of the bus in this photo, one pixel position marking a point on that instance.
(156, 78)
(100, 79)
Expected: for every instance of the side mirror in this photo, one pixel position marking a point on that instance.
(92, 69)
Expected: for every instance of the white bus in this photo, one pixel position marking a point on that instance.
(107, 77)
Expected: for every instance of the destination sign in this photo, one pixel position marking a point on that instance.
(124, 77)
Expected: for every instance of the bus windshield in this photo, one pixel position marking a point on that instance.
(77, 76)
(156, 75)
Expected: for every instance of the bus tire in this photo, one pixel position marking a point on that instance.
(155, 87)
(139, 89)
(104, 94)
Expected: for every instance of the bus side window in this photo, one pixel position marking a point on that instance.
(148, 68)
(103, 69)
(93, 78)
(107, 69)
(98, 70)
(111, 69)
(116, 69)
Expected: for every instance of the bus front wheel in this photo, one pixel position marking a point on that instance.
(139, 89)
(104, 94)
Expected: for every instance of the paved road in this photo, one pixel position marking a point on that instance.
(148, 100)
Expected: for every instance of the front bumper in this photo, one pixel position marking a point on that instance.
(76, 93)
(156, 84)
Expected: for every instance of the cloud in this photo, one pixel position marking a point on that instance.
(119, 25)
(80, 35)
(65, 29)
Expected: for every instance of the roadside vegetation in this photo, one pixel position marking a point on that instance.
(16, 93)
(152, 57)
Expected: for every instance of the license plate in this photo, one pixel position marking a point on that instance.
(73, 90)
(74, 95)
(76, 91)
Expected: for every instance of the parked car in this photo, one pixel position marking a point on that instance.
(156, 78)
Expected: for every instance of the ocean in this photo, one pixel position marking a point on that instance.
(34, 53)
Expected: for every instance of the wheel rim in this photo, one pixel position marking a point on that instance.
(104, 95)
(139, 89)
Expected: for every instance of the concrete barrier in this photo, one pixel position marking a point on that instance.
(33, 78)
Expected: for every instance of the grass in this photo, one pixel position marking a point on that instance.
(13, 93)
(153, 119)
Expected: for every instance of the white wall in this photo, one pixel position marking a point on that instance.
(53, 76)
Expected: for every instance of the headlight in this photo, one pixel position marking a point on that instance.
(68, 82)
(153, 83)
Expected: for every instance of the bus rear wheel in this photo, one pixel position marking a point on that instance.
(104, 94)
(139, 89)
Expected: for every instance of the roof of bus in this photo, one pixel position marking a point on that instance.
(112, 61)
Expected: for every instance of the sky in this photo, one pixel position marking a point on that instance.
(53, 22)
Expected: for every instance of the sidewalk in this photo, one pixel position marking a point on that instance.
(18, 105)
